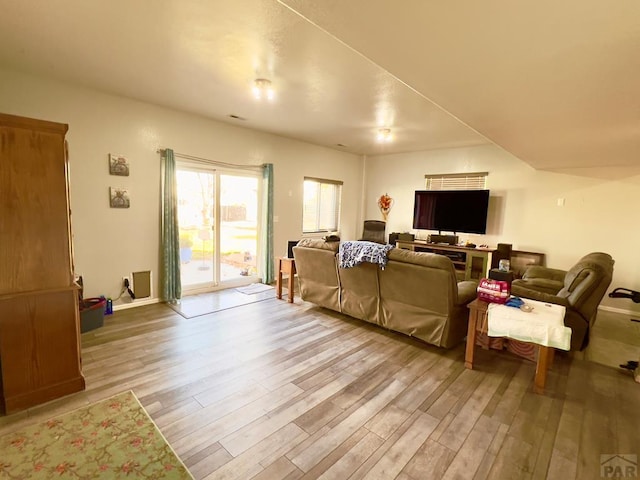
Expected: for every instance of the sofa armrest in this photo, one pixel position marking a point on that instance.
(537, 271)
(467, 292)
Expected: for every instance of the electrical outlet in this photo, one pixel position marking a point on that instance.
(124, 282)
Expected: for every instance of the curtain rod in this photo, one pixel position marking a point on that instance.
(211, 162)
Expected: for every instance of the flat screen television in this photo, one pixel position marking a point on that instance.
(455, 211)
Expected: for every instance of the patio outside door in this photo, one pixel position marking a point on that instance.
(218, 216)
(238, 227)
(196, 219)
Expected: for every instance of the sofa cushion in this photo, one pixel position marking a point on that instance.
(360, 293)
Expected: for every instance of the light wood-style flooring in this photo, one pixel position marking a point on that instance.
(273, 390)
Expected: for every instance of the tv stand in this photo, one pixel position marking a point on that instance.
(443, 239)
(470, 263)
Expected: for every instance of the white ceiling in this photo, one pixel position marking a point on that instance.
(555, 83)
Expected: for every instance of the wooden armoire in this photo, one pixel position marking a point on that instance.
(39, 317)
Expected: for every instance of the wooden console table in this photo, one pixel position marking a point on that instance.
(470, 263)
(478, 320)
(286, 266)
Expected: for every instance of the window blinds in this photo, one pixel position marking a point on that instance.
(321, 210)
(457, 181)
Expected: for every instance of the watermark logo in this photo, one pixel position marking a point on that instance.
(615, 465)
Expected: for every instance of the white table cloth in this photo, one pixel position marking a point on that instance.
(544, 325)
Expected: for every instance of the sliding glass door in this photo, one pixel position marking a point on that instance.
(218, 214)
(238, 227)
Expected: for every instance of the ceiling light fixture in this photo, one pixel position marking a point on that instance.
(262, 89)
(384, 135)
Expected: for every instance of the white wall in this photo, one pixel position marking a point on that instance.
(109, 243)
(599, 215)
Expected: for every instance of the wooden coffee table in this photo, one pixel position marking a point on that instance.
(478, 320)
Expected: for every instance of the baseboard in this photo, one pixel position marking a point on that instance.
(151, 301)
(136, 303)
(631, 313)
(44, 394)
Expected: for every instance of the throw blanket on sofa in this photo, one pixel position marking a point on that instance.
(354, 253)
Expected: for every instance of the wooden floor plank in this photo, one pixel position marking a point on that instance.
(402, 449)
(247, 436)
(387, 421)
(208, 460)
(432, 459)
(274, 390)
(202, 436)
(308, 458)
(456, 433)
(490, 455)
(471, 453)
(247, 464)
(350, 461)
(279, 469)
(424, 385)
(445, 397)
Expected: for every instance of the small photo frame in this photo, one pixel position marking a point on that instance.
(119, 198)
(118, 165)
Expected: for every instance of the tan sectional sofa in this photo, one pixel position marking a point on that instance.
(416, 294)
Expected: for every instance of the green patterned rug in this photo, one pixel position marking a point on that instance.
(113, 438)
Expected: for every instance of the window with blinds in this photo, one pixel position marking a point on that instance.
(457, 181)
(321, 208)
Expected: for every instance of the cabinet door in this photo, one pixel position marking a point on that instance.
(34, 211)
(476, 265)
(405, 246)
(40, 348)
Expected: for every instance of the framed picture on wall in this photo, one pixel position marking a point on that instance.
(119, 198)
(118, 165)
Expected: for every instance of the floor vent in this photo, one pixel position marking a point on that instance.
(142, 284)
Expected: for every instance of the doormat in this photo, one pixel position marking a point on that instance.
(206, 303)
(254, 288)
(113, 438)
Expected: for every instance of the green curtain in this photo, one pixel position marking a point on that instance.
(268, 275)
(170, 236)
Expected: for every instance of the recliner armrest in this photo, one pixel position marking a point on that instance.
(467, 291)
(523, 292)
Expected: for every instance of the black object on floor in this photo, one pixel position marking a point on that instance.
(626, 293)
(630, 365)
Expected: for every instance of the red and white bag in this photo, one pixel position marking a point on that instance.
(495, 291)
